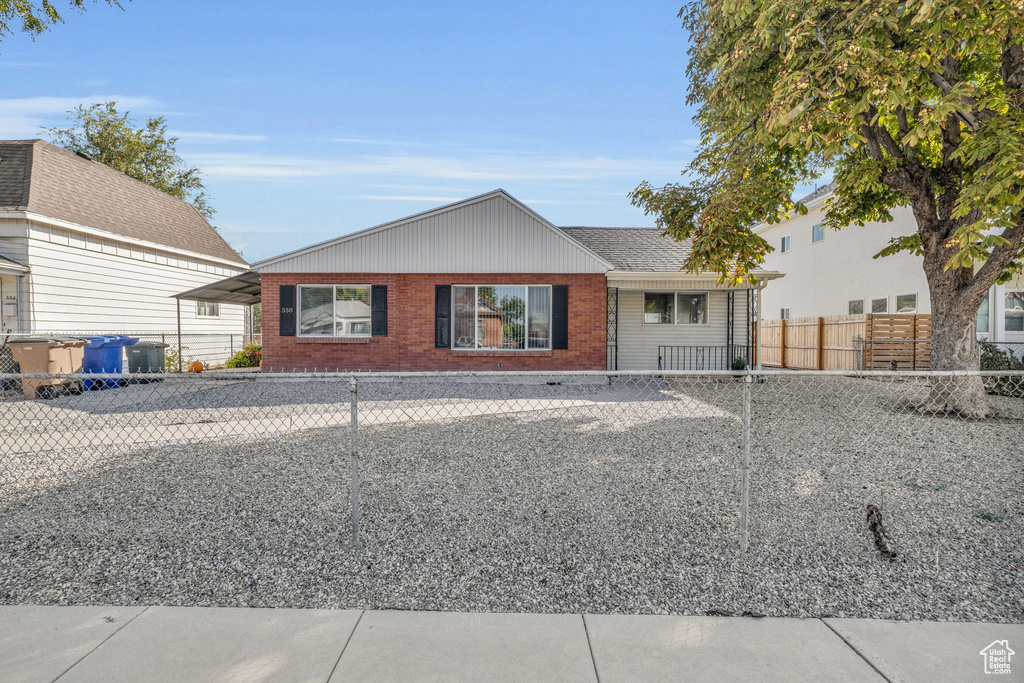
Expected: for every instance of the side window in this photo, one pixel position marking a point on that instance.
(207, 309)
(1015, 311)
(983, 317)
(787, 243)
(906, 303)
(880, 305)
(856, 307)
(659, 308)
(784, 314)
(817, 233)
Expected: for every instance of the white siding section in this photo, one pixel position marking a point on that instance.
(81, 283)
(494, 235)
(13, 239)
(638, 343)
(821, 279)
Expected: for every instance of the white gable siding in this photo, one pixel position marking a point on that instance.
(83, 283)
(493, 235)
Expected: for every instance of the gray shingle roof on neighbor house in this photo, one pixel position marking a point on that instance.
(633, 249)
(38, 177)
(818, 192)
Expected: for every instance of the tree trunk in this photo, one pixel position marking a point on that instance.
(954, 344)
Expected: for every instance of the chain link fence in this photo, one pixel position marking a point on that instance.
(774, 492)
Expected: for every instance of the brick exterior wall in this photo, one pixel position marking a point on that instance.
(409, 345)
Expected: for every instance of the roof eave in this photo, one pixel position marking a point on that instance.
(106, 234)
(682, 275)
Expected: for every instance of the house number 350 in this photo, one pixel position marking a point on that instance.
(286, 310)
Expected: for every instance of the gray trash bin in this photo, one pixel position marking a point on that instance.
(146, 356)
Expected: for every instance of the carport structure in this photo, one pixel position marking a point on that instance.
(243, 289)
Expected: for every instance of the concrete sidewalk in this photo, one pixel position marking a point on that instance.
(237, 644)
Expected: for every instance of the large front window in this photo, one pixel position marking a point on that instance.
(513, 317)
(681, 308)
(334, 310)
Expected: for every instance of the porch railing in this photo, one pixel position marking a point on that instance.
(728, 357)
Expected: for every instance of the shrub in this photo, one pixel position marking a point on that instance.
(171, 359)
(995, 358)
(250, 356)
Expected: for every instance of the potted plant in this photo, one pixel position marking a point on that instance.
(739, 364)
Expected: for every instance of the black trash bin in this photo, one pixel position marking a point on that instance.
(146, 356)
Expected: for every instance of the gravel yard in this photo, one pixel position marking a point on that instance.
(624, 500)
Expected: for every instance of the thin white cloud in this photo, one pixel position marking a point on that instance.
(236, 229)
(405, 187)
(404, 198)
(491, 167)
(192, 136)
(24, 117)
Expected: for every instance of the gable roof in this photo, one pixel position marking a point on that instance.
(490, 233)
(40, 178)
(633, 249)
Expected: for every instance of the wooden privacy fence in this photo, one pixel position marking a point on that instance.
(871, 341)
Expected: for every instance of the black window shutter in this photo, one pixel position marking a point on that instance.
(379, 310)
(286, 299)
(560, 317)
(443, 316)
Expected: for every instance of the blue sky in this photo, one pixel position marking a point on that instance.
(318, 119)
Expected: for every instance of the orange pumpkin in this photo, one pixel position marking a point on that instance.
(196, 366)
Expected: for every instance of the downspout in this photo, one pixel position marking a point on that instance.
(23, 312)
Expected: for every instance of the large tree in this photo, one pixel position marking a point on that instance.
(35, 17)
(917, 104)
(147, 153)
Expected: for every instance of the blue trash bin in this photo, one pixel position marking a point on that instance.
(104, 354)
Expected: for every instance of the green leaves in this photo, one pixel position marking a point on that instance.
(918, 104)
(145, 153)
(35, 17)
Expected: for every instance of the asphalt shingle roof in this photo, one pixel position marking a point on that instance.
(818, 192)
(39, 177)
(633, 249)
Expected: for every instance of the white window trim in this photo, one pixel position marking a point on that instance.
(207, 317)
(863, 308)
(787, 243)
(298, 312)
(872, 301)
(816, 225)
(896, 303)
(526, 319)
(675, 306)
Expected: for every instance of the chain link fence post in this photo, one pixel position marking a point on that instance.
(748, 380)
(353, 392)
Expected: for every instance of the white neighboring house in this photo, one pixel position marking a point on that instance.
(832, 272)
(87, 249)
